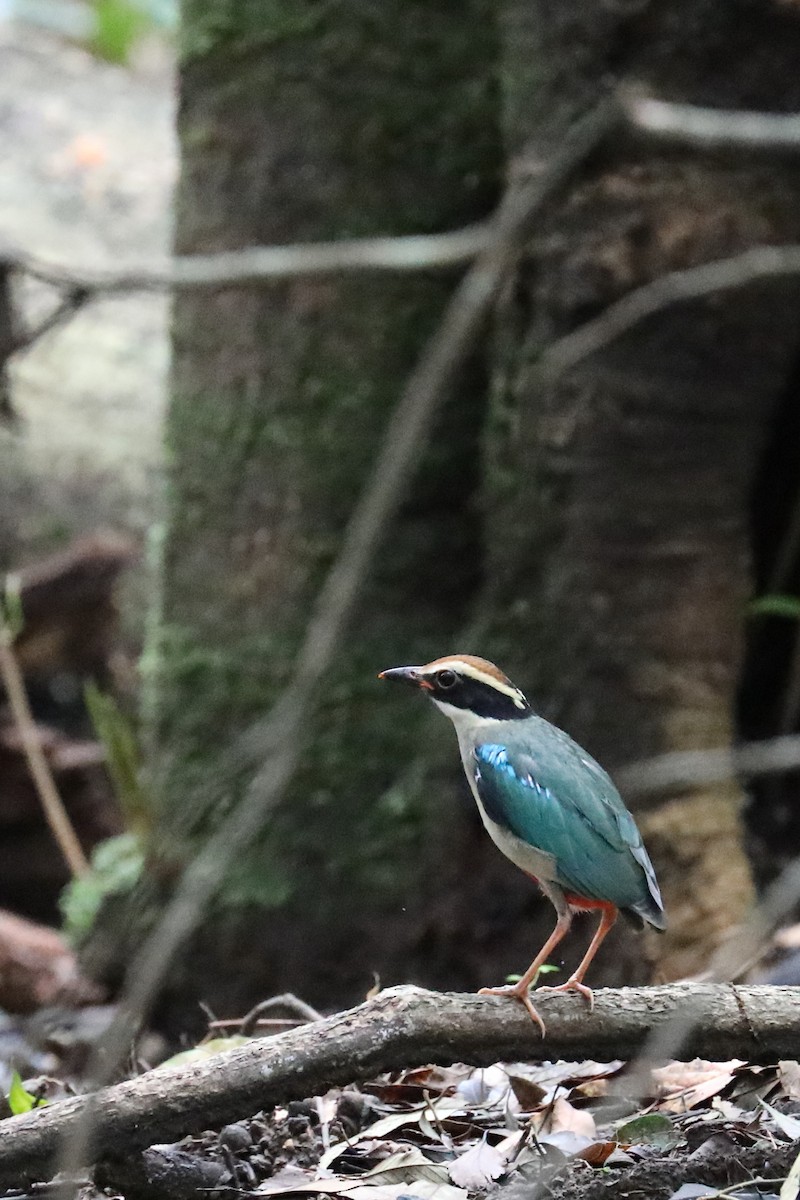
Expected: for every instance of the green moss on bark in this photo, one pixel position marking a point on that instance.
(314, 121)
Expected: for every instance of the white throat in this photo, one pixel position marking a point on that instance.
(467, 724)
(465, 721)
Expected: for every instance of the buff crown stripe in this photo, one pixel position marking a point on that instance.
(497, 681)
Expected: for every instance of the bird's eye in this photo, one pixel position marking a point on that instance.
(446, 679)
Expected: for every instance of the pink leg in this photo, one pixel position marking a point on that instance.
(520, 990)
(575, 982)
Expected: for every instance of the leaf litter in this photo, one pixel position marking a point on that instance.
(456, 1133)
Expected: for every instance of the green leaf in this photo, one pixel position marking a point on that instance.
(11, 614)
(775, 606)
(118, 24)
(116, 866)
(544, 969)
(20, 1101)
(652, 1129)
(115, 732)
(204, 1050)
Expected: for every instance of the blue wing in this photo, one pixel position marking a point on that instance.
(549, 793)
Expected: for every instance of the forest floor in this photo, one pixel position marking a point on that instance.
(577, 1130)
(557, 1129)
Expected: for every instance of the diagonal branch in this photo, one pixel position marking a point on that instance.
(762, 264)
(55, 813)
(71, 302)
(401, 1027)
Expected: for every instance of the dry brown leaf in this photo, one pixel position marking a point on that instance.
(529, 1094)
(411, 1087)
(681, 1086)
(568, 1074)
(486, 1085)
(567, 1141)
(787, 1124)
(752, 1084)
(293, 1181)
(379, 1129)
(789, 1075)
(477, 1167)
(407, 1166)
(286, 1180)
(564, 1117)
(598, 1153)
(424, 1189)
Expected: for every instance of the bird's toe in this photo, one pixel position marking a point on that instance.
(573, 985)
(517, 993)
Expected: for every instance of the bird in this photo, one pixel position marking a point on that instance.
(547, 805)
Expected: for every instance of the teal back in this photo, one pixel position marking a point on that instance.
(537, 783)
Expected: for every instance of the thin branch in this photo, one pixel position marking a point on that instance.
(401, 1027)
(748, 943)
(287, 1001)
(759, 265)
(711, 128)
(70, 303)
(686, 123)
(279, 739)
(7, 341)
(681, 769)
(52, 805)
(260, 264)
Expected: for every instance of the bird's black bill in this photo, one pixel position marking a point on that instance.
(403, 674)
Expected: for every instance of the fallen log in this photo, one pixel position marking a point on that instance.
(401, 1027)
(38, 969)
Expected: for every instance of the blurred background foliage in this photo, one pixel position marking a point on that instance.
(110, 28)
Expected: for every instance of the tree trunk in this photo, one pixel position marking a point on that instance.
(619, 538)
(309, 122)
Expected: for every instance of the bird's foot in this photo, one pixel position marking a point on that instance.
(517, 993)
(572, 985)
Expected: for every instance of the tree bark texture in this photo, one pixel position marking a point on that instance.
(309, 122)
(619, 538)
(401, 1028)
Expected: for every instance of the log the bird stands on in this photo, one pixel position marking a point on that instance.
(547, 805)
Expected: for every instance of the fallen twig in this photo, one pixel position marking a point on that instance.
(401, 1027)
(287, 1001)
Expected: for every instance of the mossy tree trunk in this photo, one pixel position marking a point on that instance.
(310, 122)
(619, 542)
